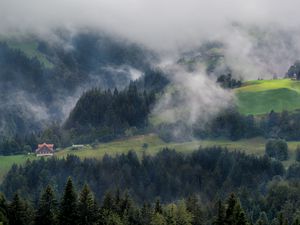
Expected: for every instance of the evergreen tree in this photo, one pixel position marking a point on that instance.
(263, 219)
(146, 214)
(183, 217)
(47, 208)
(87, 209)
(239, 215)
(19, 212)
(193, 206)
(68, 208)
(158, 207)
(220, 220)
(3, 210)
(158, 219)
(231, 204)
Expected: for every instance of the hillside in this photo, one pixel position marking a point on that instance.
(154, 145)
(261, 96)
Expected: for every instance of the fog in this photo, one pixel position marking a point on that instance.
(260, 37)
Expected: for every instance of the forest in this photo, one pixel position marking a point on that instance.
(167, 188)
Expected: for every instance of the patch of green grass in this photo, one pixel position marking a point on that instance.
(262, 96)
(254, 146)
(6, 162)
(29, 48)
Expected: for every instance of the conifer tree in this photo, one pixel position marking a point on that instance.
(220, 220)
(230, 210)
(239, 216)
(193, 206)
(158, 207)
(158, 219)
(146, 214)
(68, 208)
(3, 210)
(87, 209)
(263, 219)
(47, 209)
(19, 212)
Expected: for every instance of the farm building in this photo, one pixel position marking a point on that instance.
(45, 150)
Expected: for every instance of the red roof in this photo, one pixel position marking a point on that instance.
(44, 145)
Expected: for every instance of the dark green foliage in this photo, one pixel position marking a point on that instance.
(294, 70)
(105, 115)
(280, 199)
(263, 219)
(87, 208)
(168, 174)
(19, 212)
(194, 207)
(220, 218)
(3, 210)
(47, 208)
(226, 81)
(277, 149)
(298, 153)
(68, 207)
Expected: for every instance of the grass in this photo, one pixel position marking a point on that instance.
(29, 47)
(254, 146)
(6, 162)
(262, 96)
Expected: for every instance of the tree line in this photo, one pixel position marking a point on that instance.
(116, 208)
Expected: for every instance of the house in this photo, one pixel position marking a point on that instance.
(76, 147)
(45, 150)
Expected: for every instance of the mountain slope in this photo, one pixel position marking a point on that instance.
(262, 96)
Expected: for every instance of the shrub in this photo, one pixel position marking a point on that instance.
(277, 148)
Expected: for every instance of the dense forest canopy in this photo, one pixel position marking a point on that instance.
(195, 181)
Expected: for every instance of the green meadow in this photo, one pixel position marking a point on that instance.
(262, 96)
(254, 146)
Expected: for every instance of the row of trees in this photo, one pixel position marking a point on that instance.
(121, 209)
(233, 125)
(169, 174)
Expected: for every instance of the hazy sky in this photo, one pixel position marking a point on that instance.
(157, 23)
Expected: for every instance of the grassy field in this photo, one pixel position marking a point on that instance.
(262, 96)
(155, 144)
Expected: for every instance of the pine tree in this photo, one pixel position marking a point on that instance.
(87, 209)
(158, 208)
(47, 208)
(20, 213)
(146, 214)
(231, 204)
(68, 208)
(239, 215)
(263, 219)
(193, 206)
(3, 210)
(158, 219)
(183, 217)
(220, 220)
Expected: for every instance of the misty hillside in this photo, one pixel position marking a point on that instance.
(43, 80)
